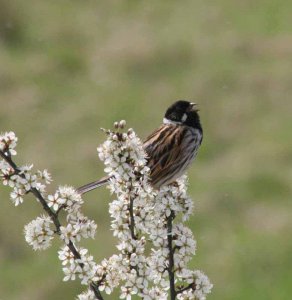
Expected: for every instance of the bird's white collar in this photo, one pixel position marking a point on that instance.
(167, 121)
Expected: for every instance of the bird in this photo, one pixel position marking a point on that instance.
(170, 149)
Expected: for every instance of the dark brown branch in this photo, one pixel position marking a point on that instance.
(132, 229)
(132, 219)
(190, 286)
(54, 217)
(170, 257)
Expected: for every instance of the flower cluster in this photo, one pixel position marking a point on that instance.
(175, 240)
(23, 180)
(78, 226)
(84, 267)
(65, 197)
(126, 165)
(39, 233)
(88, 295)
(200, 285)
(8, 142)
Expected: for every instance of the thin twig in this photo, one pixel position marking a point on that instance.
(190, 286)
(54, 218)
(170, 257)
(132, 219)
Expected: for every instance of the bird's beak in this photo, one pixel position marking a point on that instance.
(193, 107)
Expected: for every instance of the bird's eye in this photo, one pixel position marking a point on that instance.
(174, 116)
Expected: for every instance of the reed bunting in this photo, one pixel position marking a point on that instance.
(171, 148)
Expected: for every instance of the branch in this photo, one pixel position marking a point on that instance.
(132, 219)
(53, 216)
(170, 256)
(190, 286)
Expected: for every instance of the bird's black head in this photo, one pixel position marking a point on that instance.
(184, 113)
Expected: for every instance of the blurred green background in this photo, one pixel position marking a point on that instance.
(69, 67)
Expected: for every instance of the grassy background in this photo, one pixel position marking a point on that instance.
(69, 67)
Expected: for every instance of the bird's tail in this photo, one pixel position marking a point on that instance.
(92, 185)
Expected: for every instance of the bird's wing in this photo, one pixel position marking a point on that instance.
(165, 148)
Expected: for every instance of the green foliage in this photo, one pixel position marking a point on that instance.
(71, 67)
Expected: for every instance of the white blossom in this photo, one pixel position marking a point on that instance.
(89, 268)
(16, 196)
(68, 233)
(38, 233)
(23, 178)
(88, 295)
(25, 169)
(67, 197)
(203, 285)
(8, 142)
(84, 267)
(200, 285)
(155, 293)
(66, 256)
(28, 180)
(45, 175)
(4, 165)
(81, 225)
(6, 174)
(71, 271)
(127, 292)
(54, 201)
(184, 240)
(70, 197)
